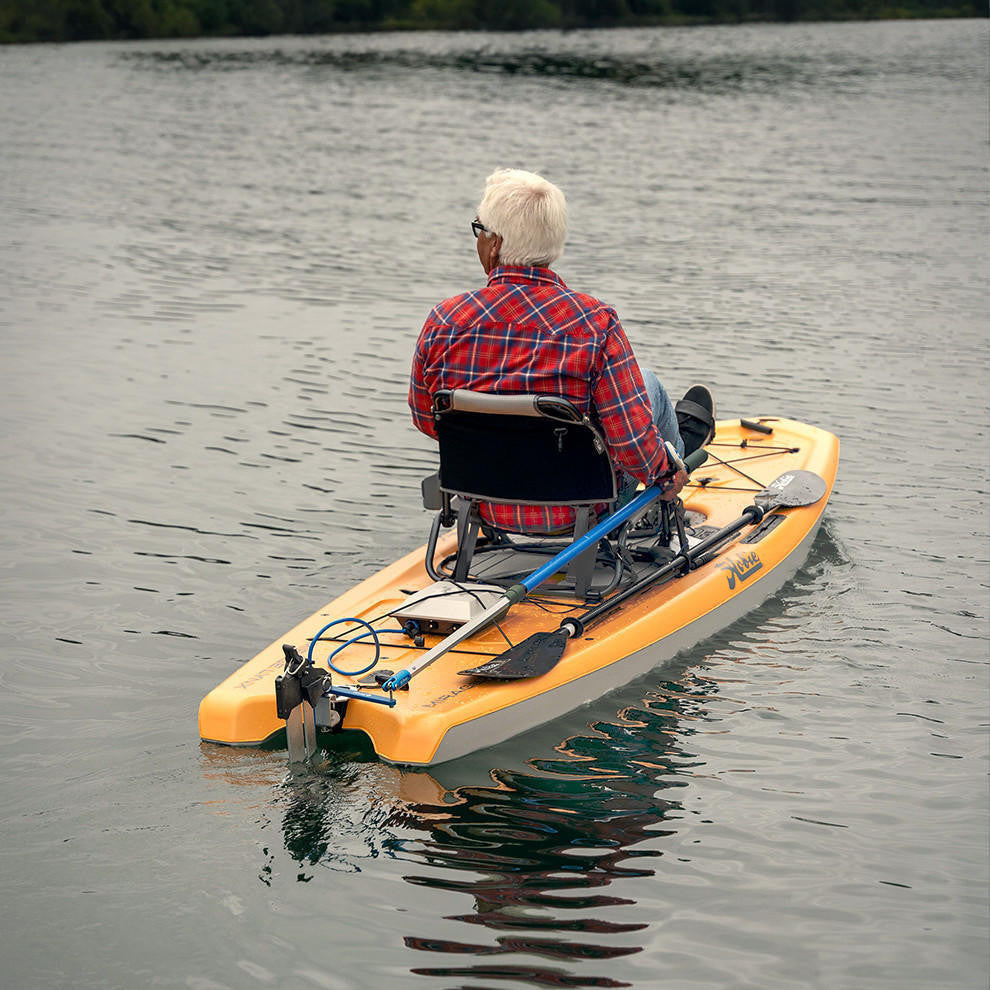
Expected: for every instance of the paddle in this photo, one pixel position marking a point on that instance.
(519, 591)
(540, 652)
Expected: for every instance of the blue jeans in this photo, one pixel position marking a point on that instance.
(663, 410)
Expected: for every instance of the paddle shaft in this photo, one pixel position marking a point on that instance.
(541, 651)
(683, 561)
(519, 591)
(790, 490)
(590, 538)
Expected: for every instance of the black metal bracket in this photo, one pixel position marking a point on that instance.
(300, 681)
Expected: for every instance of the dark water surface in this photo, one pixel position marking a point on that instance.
(215, 258)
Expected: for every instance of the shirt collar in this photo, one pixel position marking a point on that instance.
(520, 275)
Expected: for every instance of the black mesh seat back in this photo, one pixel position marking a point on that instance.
(525, 460)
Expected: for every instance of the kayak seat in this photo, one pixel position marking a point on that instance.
(517, 450)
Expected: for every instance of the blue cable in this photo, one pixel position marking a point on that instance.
(370, 631)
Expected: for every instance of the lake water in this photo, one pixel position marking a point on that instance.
(216, 256)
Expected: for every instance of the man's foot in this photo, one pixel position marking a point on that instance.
(696, 418)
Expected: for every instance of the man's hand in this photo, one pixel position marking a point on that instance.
(676, 484)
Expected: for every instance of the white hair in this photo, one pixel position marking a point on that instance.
(528, 213)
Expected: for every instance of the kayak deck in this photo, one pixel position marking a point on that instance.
(442, 715)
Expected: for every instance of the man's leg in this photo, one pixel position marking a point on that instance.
(663, 410)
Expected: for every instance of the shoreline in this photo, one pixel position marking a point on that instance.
(38, 33)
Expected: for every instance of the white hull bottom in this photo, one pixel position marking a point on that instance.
(523, 716)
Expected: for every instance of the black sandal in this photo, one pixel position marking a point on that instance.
(696, 418)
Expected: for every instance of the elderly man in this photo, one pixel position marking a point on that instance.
(527, 332)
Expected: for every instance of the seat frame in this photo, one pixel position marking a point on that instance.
(518, 449)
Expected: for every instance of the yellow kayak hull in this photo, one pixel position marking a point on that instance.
(444, 715)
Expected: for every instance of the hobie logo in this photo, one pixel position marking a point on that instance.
(742, 568)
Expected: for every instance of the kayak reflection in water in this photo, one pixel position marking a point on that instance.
(527, 332)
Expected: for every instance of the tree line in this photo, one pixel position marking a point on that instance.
(82, 20)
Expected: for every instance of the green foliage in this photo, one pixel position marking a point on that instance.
(86, 19)
(450, 14)
(79, 20)
(521, 15)
(212, 15)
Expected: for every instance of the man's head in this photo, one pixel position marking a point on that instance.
(525, 220)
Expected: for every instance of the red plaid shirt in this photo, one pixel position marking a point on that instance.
(526, 332)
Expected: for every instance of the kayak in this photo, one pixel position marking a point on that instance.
(356, 665)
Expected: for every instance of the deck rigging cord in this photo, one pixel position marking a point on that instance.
(765, 451)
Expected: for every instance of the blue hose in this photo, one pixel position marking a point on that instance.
(369, 631)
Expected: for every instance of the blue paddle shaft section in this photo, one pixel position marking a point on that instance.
(690, 463)
(590, 538)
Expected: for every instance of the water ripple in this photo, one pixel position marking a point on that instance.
(218, 254)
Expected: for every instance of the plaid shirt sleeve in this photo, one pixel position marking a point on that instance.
(623, 407)
(420, 400)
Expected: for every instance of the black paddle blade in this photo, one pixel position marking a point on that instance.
(533, 656)
(791, 490)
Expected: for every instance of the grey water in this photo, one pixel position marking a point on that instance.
(215, 258)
